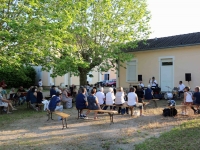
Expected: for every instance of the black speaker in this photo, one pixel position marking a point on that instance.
(188, 77)
(139, 77)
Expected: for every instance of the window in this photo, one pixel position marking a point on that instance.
(131, 71)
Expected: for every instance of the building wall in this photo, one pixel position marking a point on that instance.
(186, 60)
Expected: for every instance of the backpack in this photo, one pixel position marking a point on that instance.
(169, 112)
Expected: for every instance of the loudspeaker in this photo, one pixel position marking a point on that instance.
(188, 77)
(139, 77)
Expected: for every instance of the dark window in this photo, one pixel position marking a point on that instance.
(167, 63)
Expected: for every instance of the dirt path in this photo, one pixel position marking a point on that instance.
(37, 133)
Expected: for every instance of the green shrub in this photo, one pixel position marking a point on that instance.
(15, 77)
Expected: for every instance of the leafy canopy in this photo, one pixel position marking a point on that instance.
(98, 33)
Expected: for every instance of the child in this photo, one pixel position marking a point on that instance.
(187, 100)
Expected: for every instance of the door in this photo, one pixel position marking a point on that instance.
(166, 75)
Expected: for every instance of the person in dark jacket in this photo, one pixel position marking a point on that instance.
(81, 103)
(53, 90)
(39, 95)
(55, 103)
(148, 93)
(28, 95)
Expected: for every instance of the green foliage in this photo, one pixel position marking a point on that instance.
(98, 33)
(70, 36)
(15, 77)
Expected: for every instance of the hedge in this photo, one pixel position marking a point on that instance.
(15, 77)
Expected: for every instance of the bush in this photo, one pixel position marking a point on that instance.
(15, 77)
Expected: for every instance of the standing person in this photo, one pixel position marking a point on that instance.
(53, 91)
(196, 98)
(40, 83)
(148, 93)
(93, 103)
(81, 103)
(100, 96)
(187, 100)
(75, 91)
(3, 85)
(133, 100)
(71, 89)
(110, 97)
(181, 88)
(153, 82)
(119, 100)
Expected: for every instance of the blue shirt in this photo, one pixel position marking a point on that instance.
(53, 103)
(81, 100)
(197, 97)
(148, 94)
(52, 92)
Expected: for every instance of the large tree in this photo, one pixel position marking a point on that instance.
(30, 29)
(97, 35)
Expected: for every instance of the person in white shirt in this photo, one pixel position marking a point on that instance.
(153, 82)
(110, 97)
(141, 84)
(133, 99)
(188, 101)
(119, 100)
(100, 96)
(181, 88)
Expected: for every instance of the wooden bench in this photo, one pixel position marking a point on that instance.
(130, 107)
(110, 112)
(63, 115)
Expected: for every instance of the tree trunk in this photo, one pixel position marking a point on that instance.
(83, 77)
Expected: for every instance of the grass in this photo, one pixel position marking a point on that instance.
(22, 112)
(186, 136)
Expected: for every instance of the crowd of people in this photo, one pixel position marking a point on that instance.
(91, 97)
(97, 99)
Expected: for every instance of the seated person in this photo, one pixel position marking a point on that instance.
(148, 93)
(53, 91)
(120, 101)
(110, 97)
(66, 98)
(39, 96)
(81, 103)
(93, 103)
(153, 82)
(100, 96)
(20, 93)
(196, 98)
(55, 103)
(6, 104)
(140, 94)
(33, 98)
(28, 94)
(3, 85)
(133, 99)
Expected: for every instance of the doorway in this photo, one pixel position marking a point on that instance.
(166, 74)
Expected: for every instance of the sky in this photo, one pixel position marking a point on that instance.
(173, 17)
